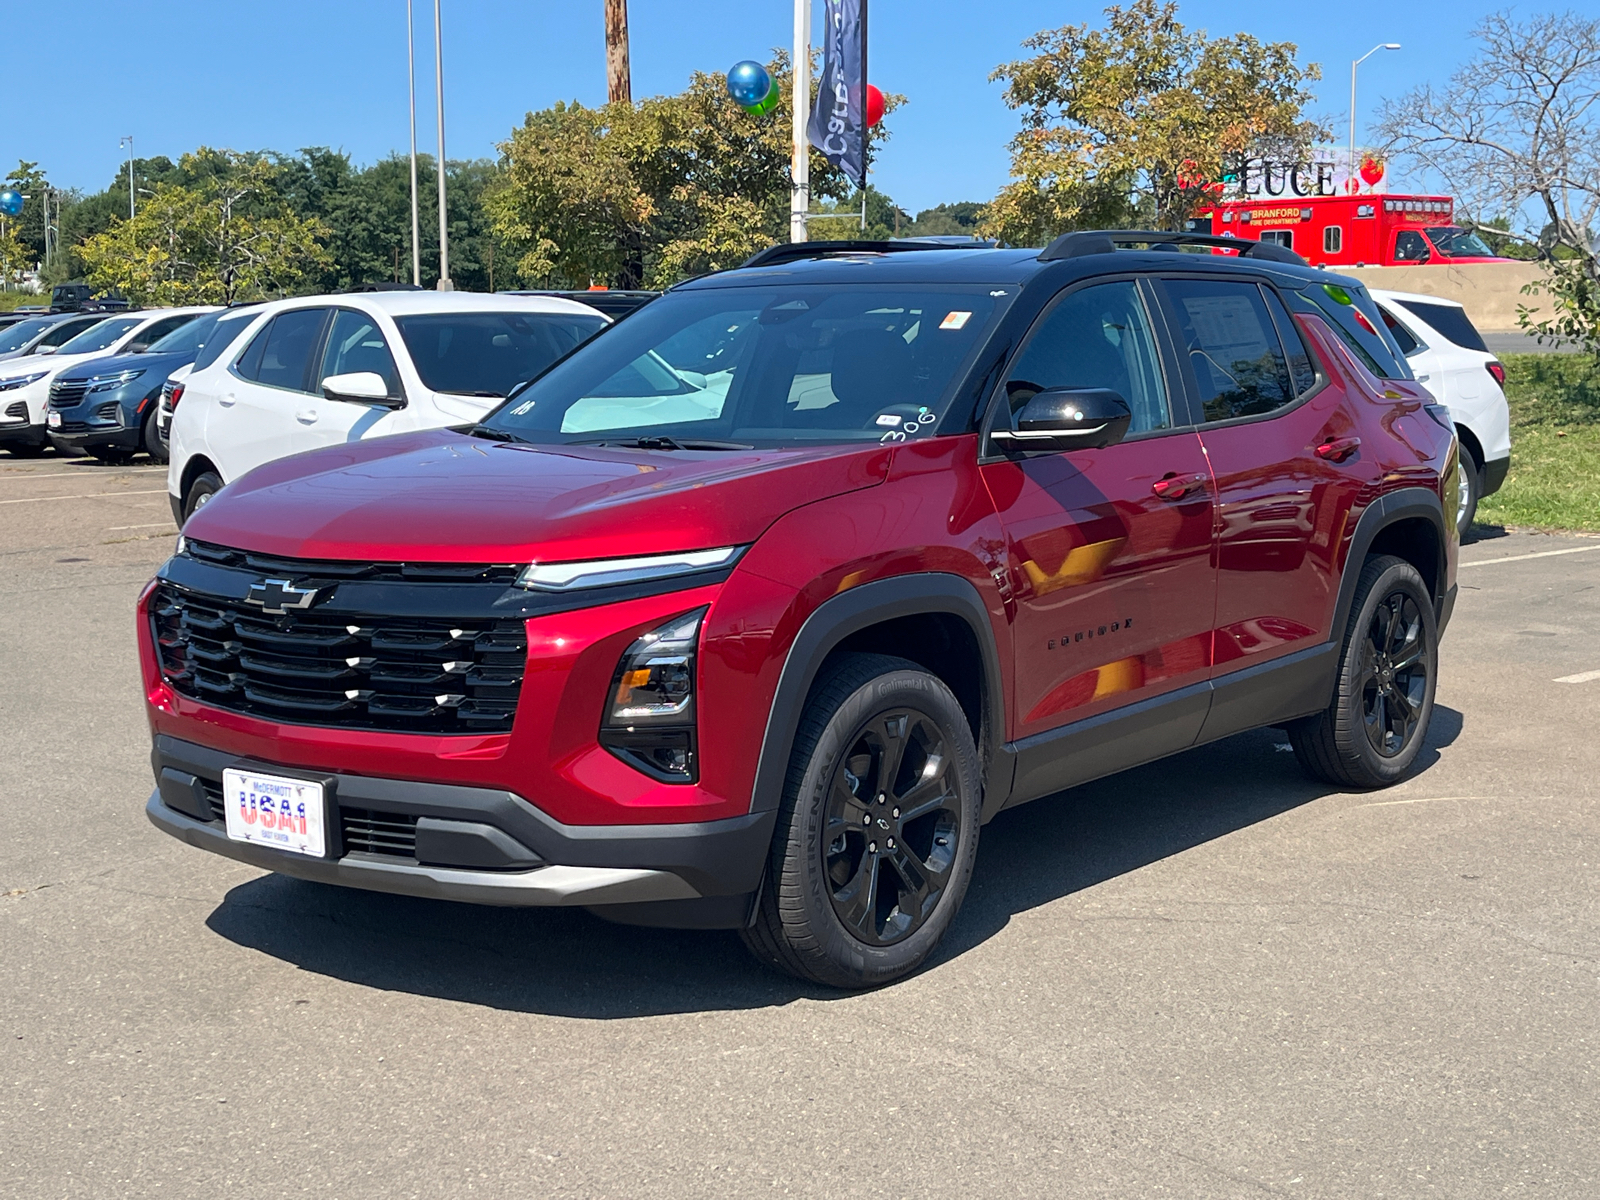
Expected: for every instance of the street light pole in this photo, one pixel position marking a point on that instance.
(800, 151)
(445, 285)
(1356, 63)
(128, 142)
(416, 224)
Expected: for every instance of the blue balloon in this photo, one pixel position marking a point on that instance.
(10, 202)
(748, 83)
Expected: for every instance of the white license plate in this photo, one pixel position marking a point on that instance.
(269, 810)
(53, 419)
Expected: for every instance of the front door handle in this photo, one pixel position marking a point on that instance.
(306, 416)
(1338, 449)
(1175, 487)
(227, 400)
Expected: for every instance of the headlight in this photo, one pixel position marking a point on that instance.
(104, 383)
(17, 381)
(650, 718)
(603, 572)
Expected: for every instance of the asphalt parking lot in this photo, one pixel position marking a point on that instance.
(1206, 978)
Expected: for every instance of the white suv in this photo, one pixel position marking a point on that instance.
(319, 370)
(25, 382)
(1449, 358)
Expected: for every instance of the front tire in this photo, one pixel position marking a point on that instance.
(878, 829)
(1371, 733)
(1469, 487)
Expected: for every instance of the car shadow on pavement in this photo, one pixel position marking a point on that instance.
(568, 963)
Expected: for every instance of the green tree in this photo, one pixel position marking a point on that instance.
(1117, 121)
(224, 235)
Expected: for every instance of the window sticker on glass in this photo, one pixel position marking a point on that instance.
(955, 320)
(908, 421)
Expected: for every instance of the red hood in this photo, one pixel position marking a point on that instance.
(440, 496)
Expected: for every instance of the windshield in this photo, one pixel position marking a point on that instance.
(226, 331)
(487, 353)
(100, 336)
(1458, 243)
(186, 339)
(20, 334)
(764, 366)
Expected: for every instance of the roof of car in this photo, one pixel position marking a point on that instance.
(410, 303)
(1417, 297)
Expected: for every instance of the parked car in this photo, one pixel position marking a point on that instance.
(322, 370)
(616, 303)
(231, 325)
(109, 406)
(1448, 355)
(749, 612)
(44, 334)
(80, 297)
(25, 382)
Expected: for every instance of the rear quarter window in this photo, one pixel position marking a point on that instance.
(1370, 342)
(1451, 320)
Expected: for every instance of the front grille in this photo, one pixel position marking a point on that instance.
(64, 393)
(72, 427)
(245, 560)
(18, 409)
(369, 832)
(405, 674)
(213, 790)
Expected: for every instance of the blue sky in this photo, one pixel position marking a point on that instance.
(292, 73)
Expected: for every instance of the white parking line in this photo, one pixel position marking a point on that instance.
(1581, 677)
(85, 496)
(1484, 562)
(146, 525)
(79, 474)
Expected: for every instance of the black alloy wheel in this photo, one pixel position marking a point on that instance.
(892, 827)
(878, 828)
(1395, 673)
(1373, 729)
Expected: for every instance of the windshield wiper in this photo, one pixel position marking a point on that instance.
(498, 435)
(660, 441)
(490, 395)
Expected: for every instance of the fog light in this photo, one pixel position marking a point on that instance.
(650, 718)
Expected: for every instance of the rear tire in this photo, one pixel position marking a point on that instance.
(205, 486)
(1469, 487)
(878, 829)
(1371, 733)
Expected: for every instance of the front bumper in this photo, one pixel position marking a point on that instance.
(12, 433)
(96, 435)
(480, 845)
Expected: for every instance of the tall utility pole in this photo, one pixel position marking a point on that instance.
(800, 151)
(1356, 63)
(416, 224)
(128, 142)
(619, 76)
(445, 285)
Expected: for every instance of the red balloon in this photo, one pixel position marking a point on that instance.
(874, 106)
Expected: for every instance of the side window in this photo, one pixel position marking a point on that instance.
(355, 343)
(250, 361)
(1280, 237)
(1300, 365)
(67, 330)
(1409, 247)
(219, 340)
(286, 347)
(157, 330)
(1403, 337)
(1332, 239)
(1238, 362)
(1097, 337)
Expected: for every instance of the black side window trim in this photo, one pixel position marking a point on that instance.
(1192, 386)
(313, 359)
(327, 332)
(1178, 406)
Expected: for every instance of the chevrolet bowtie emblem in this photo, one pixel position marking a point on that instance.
(280, 595)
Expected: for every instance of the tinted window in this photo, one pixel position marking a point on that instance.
(160, 329)
(99, 337)
(1458, 242)
(1332, 239)
(355, 343)
(1238, 362)
(68, 330)
(228, 328)
(20, 334)
(1097, 337)
(1301, 367)
(488, 354)
(286, 347)
(1450, 320)
(1410, 247)
(1402, 336)
(1355, 318)
(187, 338)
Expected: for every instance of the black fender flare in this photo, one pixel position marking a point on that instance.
(1401, 504)
(916, 594)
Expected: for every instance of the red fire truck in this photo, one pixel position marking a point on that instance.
(1350, 231)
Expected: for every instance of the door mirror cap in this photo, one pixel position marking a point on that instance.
(136, 347)
(1068, 419)
(361, 387)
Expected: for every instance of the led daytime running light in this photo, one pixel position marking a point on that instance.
(606, 572)
(17, 381)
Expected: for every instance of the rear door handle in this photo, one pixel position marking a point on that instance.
(228, 400)
(1338, 449)
(1175, 487)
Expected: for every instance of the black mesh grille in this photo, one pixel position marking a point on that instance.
(406, 674)
(369, 832)
(64, 393)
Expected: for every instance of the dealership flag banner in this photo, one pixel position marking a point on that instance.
(838, 124)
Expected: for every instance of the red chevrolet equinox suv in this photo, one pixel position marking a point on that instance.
(751, 611)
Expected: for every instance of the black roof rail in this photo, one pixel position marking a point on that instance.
(785, 252)
(1103, 241)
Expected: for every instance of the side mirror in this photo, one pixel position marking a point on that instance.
(361, 387)
(1068, 419)
(136, 347)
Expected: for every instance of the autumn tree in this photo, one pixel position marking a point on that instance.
(1516, 136)
(225, 235)
(1118, 122)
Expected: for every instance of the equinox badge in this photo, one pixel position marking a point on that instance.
(280, 595)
